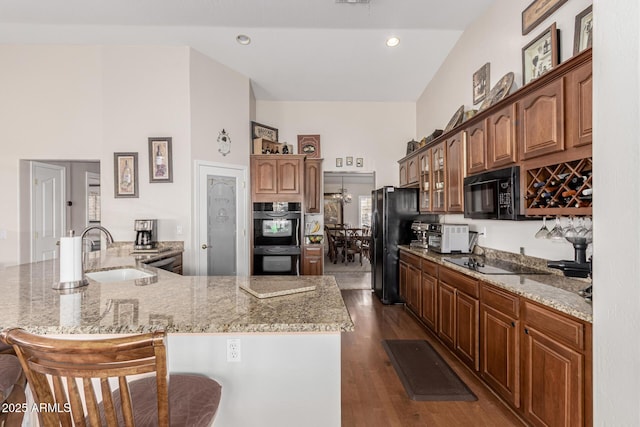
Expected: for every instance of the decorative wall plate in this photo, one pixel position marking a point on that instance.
(499, 91)
(455, 120)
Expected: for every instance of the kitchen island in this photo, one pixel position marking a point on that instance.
(289, 368)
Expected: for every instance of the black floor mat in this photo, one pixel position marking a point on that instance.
(424, 374)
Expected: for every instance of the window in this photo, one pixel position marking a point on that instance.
(364, 205)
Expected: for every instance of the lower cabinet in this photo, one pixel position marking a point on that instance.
(313, 260)
(500, 342)
(458, 315)
(538, 360)
(554, 368)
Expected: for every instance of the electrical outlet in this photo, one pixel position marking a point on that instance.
(233, 350)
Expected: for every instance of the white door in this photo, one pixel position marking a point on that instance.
(47, 210)
(221, 242)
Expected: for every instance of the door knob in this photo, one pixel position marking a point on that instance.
(204, 246)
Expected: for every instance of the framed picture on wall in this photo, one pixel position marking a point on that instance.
(537, 12)
(540, 55)
(263, 131)
(583, 37)
(332, 208)
(160, 162)
(125, 171)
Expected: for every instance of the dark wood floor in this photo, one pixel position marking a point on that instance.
(372, 394)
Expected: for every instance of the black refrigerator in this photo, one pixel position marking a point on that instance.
(393, 212)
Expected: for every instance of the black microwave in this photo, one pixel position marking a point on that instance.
(493, 195)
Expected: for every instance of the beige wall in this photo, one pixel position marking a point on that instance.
(376, 131)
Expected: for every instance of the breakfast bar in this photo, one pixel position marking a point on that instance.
(287, 369)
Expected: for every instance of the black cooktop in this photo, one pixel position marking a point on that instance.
(493, 266)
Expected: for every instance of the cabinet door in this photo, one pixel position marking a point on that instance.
(265, 176)
(502, 144)
(500, 353)
(429, 315)
(466, 331)
(553, 381)
(403, 278)
(413, 170)
(454, 159)
(403, 180)
(476, 148)
(541, 121)
(438, 178)
(447, 314)
(288, 181)
(313, 260)
(414, 289)
(312, 185)
(580, 108)
(424, 159)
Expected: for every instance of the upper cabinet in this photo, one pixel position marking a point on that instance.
(545, 128)
(454, 156)
(502, 144)
(312, 185)
(541, 121)
(277, 178)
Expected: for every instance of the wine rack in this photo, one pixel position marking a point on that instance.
(560, 189)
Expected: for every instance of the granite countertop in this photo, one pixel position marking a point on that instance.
(552, 290)
(179, 304)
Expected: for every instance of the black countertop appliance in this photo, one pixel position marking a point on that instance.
(393, 212)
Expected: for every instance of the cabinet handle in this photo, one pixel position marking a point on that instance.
(526, 331)
(204, 246)
(513, 324)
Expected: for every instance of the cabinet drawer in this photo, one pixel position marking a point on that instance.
(313, 250)
(563, 329)
(460, 281)
(410, 259)
(430, 268)
(503, 301)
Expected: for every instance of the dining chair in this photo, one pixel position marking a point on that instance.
(69, 375)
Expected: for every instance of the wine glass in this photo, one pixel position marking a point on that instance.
(543, 233)
(557, 233)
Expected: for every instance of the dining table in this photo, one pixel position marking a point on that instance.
(347, 242)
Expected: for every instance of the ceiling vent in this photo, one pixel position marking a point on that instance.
(353, 1)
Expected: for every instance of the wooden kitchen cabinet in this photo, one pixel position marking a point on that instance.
(541, 121)
(424, 195)
(312, 185)
(476, 148)
(500, 342)
(554, 368)
(458, 306)
(429, 294)
(580, 106)
(313, 260)
(410, 276)
(438, 178)
(277, 178)
(454, 173)
(409, 171)
(502, 145)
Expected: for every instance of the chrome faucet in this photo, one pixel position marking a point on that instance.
(98, 227)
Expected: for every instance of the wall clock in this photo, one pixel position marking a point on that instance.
(309, 145)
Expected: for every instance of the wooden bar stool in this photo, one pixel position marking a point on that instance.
(63, 374)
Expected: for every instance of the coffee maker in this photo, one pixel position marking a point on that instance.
(146, 230)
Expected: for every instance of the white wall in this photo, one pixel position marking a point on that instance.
(87, 102)
(496, 37)
(376, 131)
(616, 77)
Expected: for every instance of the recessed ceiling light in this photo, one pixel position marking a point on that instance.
(243, 39)
(393, 41)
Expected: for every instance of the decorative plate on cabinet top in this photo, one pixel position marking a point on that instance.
(499, 91)
(455, 120)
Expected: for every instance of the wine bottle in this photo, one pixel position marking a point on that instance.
(539, 184)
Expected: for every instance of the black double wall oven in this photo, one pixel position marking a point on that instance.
(276, 238)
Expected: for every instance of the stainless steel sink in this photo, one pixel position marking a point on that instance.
(118, 275)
